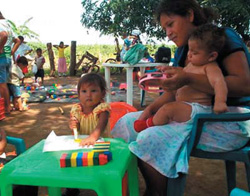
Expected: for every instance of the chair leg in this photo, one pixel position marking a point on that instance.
(247, 166)
(231, 175)
(176, 186)
(143, 98)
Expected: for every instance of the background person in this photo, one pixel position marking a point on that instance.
(6, 39)
(162, 150)
(62, 66)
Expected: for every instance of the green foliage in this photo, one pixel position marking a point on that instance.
(118, 16)
(233, 13)
(23, 29)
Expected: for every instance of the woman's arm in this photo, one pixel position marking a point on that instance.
(17, 43)
(238, 79)
(166, 97)
(102, 123)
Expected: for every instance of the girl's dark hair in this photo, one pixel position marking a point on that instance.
(39, 50)
(23, 60)
(61, 43)
(92, 78)
(182, 8)
(212, 37)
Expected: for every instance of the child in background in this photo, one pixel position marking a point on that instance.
(62, 67)
(204, 46)
(39, 61)
(126, 45)
(91, 115)
(16, 75)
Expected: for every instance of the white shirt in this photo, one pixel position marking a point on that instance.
(15, 75)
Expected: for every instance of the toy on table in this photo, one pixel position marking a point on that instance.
(100, 155)
(150, 81)
(76, 135)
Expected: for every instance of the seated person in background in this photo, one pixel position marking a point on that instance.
(5, 158)
(204, 46)
(16, 75)
(39, 61)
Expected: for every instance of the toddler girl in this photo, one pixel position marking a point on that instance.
(91, 115)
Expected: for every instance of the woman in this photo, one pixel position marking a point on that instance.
(162, 150)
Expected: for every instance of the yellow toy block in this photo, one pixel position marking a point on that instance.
(73, 159)
(90, 158)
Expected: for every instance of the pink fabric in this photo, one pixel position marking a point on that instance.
(62, 67)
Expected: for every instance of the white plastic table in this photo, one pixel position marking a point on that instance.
(129, 76)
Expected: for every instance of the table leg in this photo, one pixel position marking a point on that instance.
(6, 190)
(142, 94)
(130, 85)
(54, 191)
(107, 78)
(133, 185)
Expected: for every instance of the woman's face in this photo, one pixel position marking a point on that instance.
(177, 28)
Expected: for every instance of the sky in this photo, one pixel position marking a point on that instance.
(53, 20)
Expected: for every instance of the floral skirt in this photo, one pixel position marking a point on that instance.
(165, 147)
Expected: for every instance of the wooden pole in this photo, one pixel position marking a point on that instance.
(72, 71)
(51, 59)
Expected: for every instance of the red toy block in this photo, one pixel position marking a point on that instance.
(103, 159)
(85, 159)
(62, 160)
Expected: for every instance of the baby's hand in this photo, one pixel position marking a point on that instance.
(73, 122)
(220, 108)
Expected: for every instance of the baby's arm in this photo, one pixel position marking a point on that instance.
(3, 141)
(217, 81)
(102, 123)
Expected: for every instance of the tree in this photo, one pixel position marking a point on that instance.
(23, 29)
(233, 13)
(119, 16)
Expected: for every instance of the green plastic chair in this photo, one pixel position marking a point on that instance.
(176, 186)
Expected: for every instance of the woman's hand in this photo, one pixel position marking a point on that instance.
(176, 78)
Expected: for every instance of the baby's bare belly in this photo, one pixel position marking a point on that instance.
(188, 94)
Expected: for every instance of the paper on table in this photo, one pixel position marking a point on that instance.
(59, 143)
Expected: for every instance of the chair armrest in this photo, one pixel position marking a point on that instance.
(18, 143)
(200, 119)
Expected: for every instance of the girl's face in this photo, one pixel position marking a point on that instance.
(197, 54)
(90, 95)
(39, 53)
(177, 28)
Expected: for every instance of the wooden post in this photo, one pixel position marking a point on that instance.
(72, 71)
(51, 59)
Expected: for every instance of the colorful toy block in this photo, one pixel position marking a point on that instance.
(79, 159)
(101, 146)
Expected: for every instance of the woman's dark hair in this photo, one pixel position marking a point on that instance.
(92, 78)
(182, 8)
(23, 60)
(212, 37)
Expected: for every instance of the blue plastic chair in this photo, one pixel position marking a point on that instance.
(239, 192)
(176, 186)
(18, 143)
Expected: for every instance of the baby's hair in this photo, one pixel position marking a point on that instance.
(39, 50)
(212, 37)
(23, 60)
(92, 78)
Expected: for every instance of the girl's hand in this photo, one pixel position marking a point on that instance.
(73, 122)
(90, 140)
(146, 114)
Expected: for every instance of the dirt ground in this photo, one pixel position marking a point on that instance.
(206, 177)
